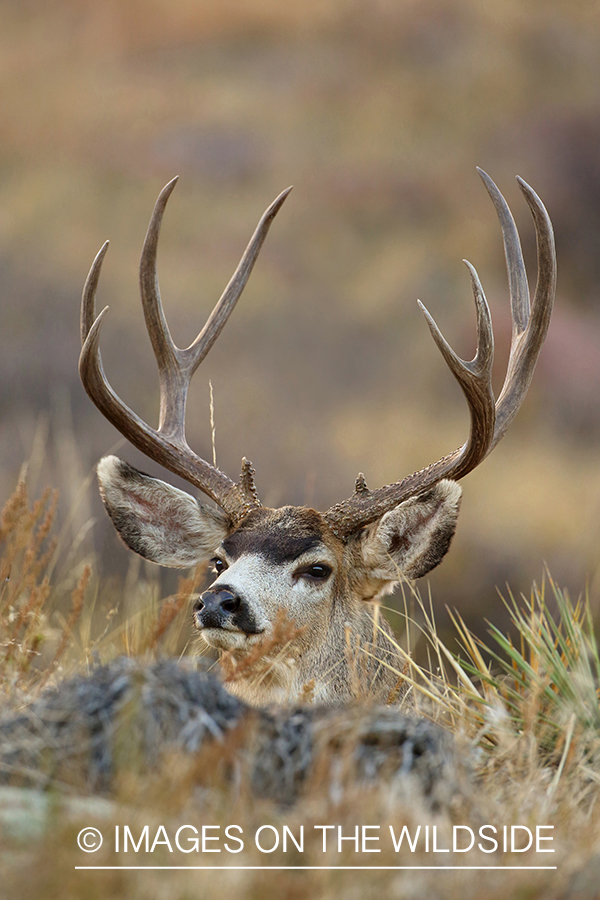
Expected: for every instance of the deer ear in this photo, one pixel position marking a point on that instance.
(157, 520)
(413, 537)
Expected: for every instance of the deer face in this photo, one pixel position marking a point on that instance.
(276, 559)
(284, 559)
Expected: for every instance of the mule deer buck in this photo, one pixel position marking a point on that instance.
(325, 570)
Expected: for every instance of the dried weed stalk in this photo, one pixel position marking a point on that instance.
(171, 609)
(272, 651)
(26, 550)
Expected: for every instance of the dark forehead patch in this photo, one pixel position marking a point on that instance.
(279, 535)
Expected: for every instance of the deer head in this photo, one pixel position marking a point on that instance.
(321, 569)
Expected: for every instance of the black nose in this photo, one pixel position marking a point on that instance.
(213, 608)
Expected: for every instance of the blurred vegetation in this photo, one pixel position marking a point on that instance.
(378, 113)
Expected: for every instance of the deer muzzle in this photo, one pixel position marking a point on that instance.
(221, 607)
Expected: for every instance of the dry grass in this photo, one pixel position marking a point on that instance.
(268, 654)
(49, 629)
(26, 559)
(541, 680)
(524, 706)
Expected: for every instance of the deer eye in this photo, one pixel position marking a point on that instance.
(314, 572)
(218, 565)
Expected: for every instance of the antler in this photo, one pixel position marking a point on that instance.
(168, 445)
(489, 420)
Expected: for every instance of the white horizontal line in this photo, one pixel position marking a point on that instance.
(353, 868)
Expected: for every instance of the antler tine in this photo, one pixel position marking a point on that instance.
(474, 378)
(165, 350)
(527, 340)
(168, 445)
(217, 319)
(176, 366)
(489, 421)
(515, 266)
(88, 299)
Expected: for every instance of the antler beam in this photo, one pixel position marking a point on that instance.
(489, 420)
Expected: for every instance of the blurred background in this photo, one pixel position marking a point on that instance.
(377, 111)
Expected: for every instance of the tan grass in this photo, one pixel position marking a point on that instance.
(25, 588)
(524, 706)
(274, 650)
(48, 626)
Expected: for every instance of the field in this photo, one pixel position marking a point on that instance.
(378, 114)
(522, 765)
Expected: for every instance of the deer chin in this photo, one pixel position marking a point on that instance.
(225, 639)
